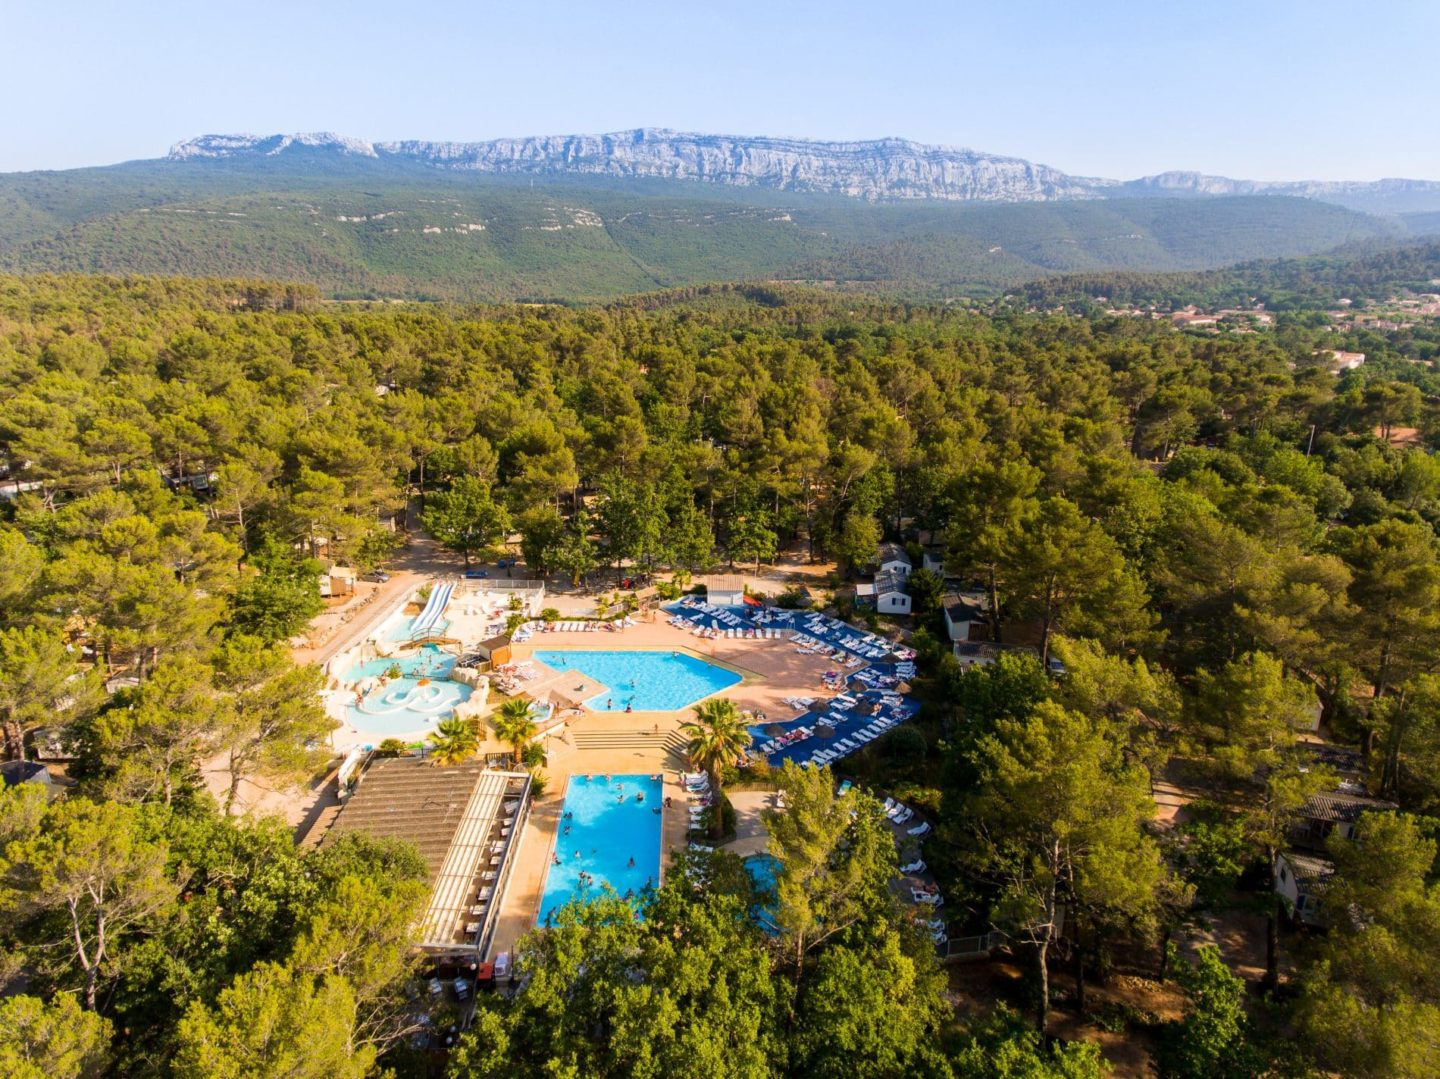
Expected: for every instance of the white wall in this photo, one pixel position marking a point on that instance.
(893, 603)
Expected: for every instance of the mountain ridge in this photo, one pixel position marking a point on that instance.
(889, 169)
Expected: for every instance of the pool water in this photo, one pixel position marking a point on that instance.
(403, 705)
(646, 681)
(763, 869)
(605, 834)
(430, 661)
(405, 629)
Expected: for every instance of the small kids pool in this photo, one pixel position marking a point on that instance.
(645, 681)
(610, 832)
(404, 705)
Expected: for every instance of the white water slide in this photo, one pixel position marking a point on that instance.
(425, 621)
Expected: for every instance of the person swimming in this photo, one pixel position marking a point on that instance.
(630, 864)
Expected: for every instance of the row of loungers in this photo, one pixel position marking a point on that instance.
(853, 741)
(697, 788)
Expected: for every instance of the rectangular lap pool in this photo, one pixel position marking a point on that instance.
(610, 834)
(642, 681)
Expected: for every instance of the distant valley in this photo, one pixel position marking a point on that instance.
(590, 218)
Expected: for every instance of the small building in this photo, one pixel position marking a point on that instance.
(893, 559)
(933, 561)
(1300, 880)
(495, 651)
(14, 773)
(1338, 360)
(965, 618)
(1334, 812)
(984, 653)
(886, 593)
(337, 581)
(725, 591)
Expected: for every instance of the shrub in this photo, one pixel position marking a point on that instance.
(667, 590)
(550, 614)
(391, 747)
(793, 598)
(757, 771)
(533, 755)
(904, 745)
(394, 671)
(539, 783)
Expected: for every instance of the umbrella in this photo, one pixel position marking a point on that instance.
(773, 730)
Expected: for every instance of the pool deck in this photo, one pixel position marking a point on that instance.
(639, 742)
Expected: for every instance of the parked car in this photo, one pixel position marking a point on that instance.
(378, 576)
(476, 574)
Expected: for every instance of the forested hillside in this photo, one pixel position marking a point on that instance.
(1211, 533)
(1361, 273)
(373, 229)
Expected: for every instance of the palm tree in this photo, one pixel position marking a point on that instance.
(717, 739)
(455, 741)
(515, 723)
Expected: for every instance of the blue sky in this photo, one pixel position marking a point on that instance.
(1267, 89)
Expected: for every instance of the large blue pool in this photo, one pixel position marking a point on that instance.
(403, 705)
(607, 834)
(645, 681)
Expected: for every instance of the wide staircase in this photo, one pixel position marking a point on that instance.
(628, 738)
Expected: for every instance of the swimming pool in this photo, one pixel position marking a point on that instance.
(404, 705)
(646, 681)
(429, 661)
(404, 629)
(763, 869)
(612, 841)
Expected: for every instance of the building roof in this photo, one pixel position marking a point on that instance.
(889, 581)
(991, 649)
(964, 609)
(13, 773)
(1308, 868)
(723, 584)
(497, 642)
(893, 552)
(453, 815)
(1342, 806)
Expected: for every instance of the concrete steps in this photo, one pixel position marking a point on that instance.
(638, 738)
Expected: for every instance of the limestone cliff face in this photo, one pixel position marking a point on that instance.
(875, 170)
(880, 169)
(1391, 195)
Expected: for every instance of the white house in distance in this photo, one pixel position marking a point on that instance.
(886, 593)
(893, 559)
